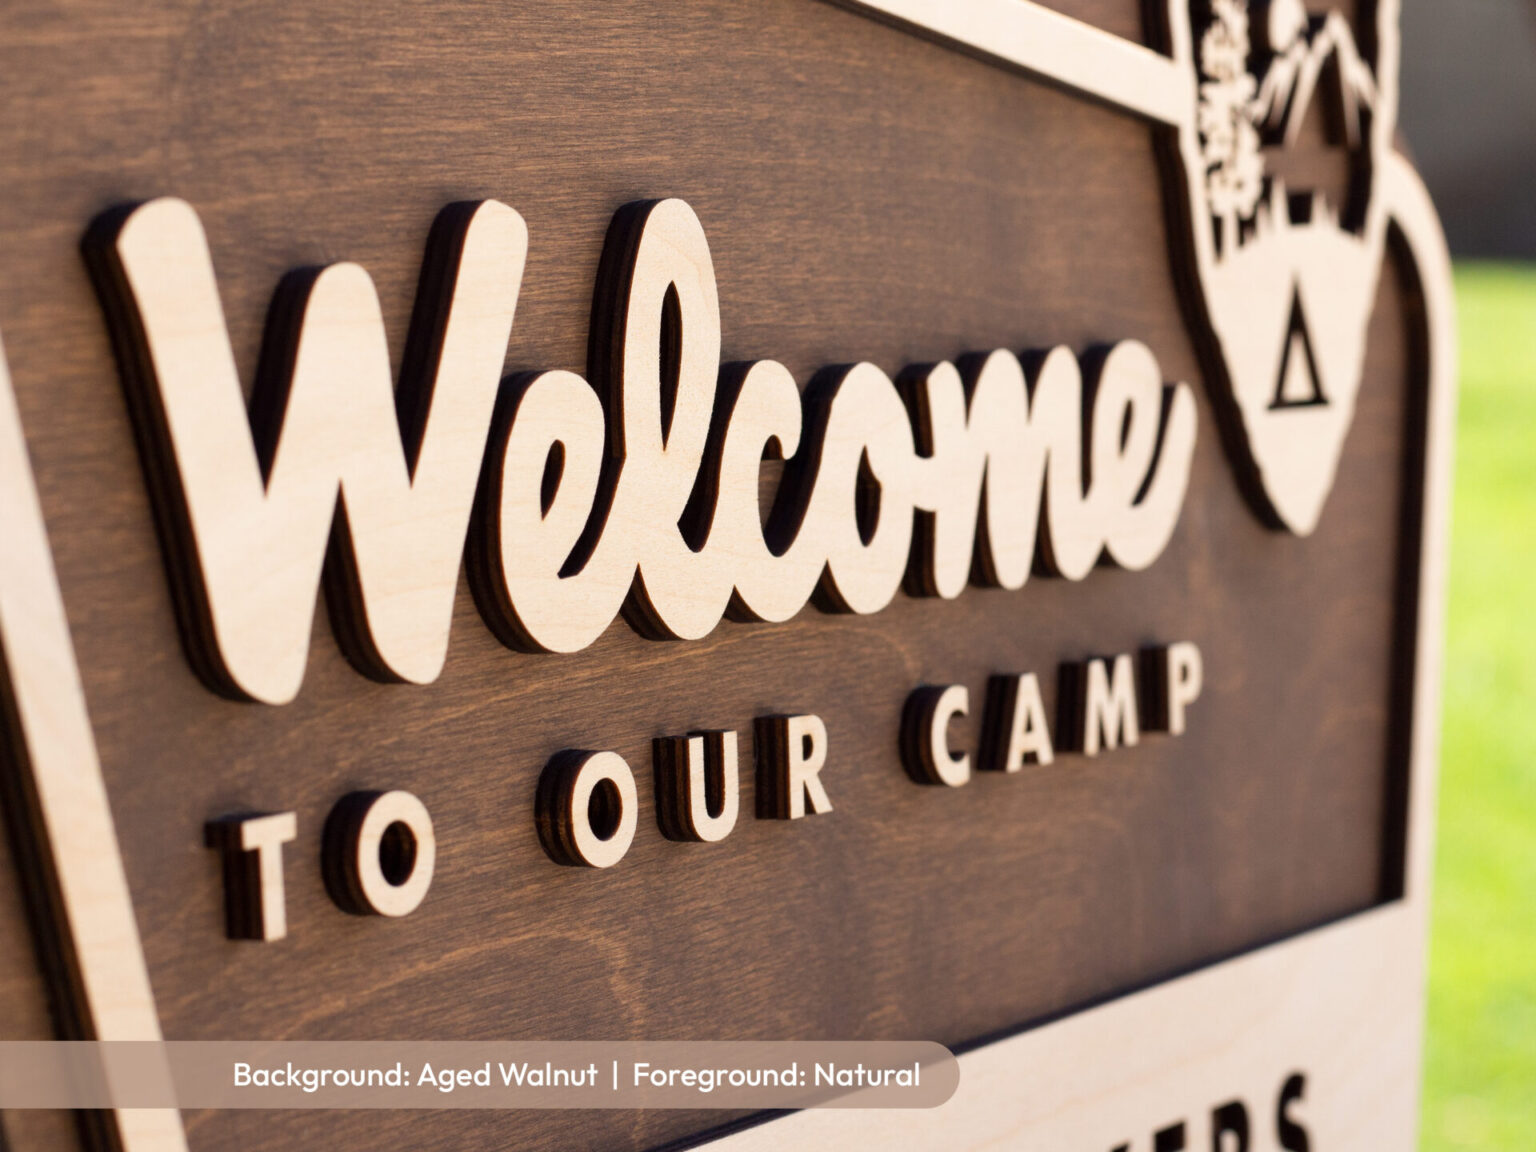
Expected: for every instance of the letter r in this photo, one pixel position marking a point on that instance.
(791, 752)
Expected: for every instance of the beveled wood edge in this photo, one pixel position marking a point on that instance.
(1056, 48)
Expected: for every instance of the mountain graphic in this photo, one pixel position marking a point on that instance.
(1288, 275)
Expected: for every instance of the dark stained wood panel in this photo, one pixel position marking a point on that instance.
(24, 1010)
(867, 195)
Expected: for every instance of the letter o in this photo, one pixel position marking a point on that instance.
(586, 809)
(378, 853)
(867, 429)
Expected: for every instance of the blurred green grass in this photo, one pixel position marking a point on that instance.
(1480, 1075)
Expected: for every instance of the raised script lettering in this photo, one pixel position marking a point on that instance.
(653, 506)
(636, 492)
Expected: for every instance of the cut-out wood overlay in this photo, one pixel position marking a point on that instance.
(710, 247)
(255, 891)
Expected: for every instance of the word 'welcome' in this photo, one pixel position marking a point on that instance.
(636, 491)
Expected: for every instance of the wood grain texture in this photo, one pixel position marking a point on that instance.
(1323, 1032)
(866, 195)
(24, 997)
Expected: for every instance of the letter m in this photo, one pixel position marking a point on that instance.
(331, 470)
(1098, 704)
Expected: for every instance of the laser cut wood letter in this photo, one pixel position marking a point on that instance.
(1099, 704)
(791, 752)
(697, 786)
(378, 853)
(248, 505)
(1015, 732)
(255, 902)
(586, 809)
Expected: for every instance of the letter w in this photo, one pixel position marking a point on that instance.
(331, 470)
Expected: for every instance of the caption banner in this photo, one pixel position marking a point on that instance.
(476, 1074)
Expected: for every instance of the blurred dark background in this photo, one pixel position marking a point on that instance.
(1469, 113)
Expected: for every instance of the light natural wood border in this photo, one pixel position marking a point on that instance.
(1054, 47)
(70, 835)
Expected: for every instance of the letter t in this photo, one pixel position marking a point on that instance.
(255, 906)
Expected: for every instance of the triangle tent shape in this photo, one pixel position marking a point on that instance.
(1299, 385)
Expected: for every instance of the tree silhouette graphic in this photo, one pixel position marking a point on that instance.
(1240, 110)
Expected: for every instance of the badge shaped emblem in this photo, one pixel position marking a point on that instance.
(1287, 278)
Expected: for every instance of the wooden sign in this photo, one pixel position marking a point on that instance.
(729, 520)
